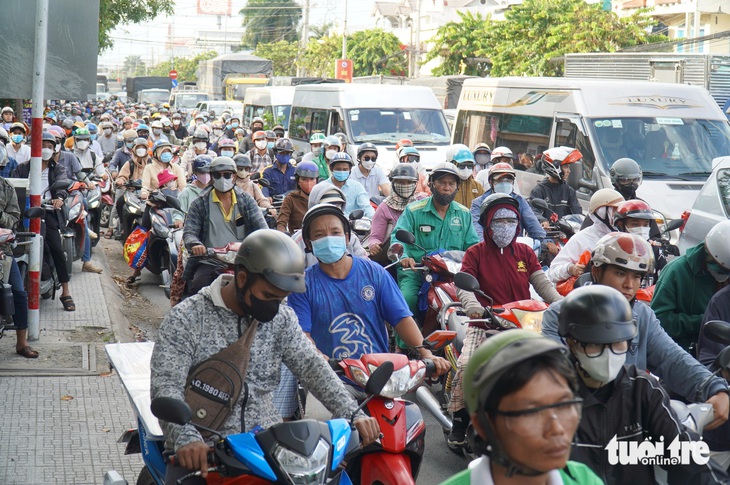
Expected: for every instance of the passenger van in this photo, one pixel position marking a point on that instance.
(272, 103)
(186, 99)
(235, 107)
(672, 130)
(379, 114)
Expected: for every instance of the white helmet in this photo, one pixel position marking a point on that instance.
(156, 124)
(501, 152)
(604, 198)
(629, 251)
(716, 245)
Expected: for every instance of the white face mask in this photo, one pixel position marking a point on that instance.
(642, 232)
(176, 122)
(465, 173)
(218, 132)
(260, 144)
(227, 153)
(141, 152)
(107, 131)
(47, 153)
(82, 145)
(201, 145)
(603, 368)
(367, 165)
(329, 154)
(157, 131)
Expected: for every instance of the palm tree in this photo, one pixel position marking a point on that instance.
(268, 21)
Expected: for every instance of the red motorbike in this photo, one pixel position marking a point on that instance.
(396, 457)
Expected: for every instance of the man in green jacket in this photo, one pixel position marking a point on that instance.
(687, 284)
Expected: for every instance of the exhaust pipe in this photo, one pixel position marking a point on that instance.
(429, 401)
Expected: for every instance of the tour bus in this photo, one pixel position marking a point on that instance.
(673, 131)
(379, 114)
(272, 103)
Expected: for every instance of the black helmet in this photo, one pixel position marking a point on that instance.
(497, 200)
(625, 172)
(321, 210)
(366, 147)
(283, 145)
(242, 161)
(276, 257)
(596, 314)
(404, 171)
(442, 169)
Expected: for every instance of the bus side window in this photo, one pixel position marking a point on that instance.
(568, 134)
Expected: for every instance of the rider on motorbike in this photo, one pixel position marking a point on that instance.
(621, 404)
(554, 189)
(201, 179)
(281, 172)
(162, 151)
(244, 182)
(469, 189)
(356, 195)
(520, 390)
(621, 261)
(505, 269)
(269, 266)
(635, 217)
(295, 204)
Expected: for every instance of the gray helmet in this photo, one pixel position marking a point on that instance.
(321, 210)
(625, 172)
(242, 160)
(596, 314)
(223, 164)
(442, 169)
(275, 256)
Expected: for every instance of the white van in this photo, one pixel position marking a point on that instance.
(673, 131)
(380, 114)
(272, 103)
(186, 99)
(235, 107)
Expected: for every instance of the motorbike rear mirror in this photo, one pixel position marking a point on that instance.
(718, 331)
(356, 214)
(674, 224)
(59, 185)
(263, 182)
(587, 184)
(576, 174)
(722, 361)
(171, 410)
(173, 202)
(466, 282)
(395, 252)
(33, 212)
(379, 378)
(439, 339)
(405, 236)
(539, 203)
(255, 176)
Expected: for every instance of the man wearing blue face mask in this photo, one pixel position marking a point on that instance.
(17, 148)
(281, 174)
(357, 197)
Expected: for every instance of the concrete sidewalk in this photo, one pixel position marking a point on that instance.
(64, 411)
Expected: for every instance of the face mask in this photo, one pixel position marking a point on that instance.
(157, 131)
(719, 273)
(482, 159)
(260, 144)
(93, 136)
(261, 310)
(404, 190)
(130, 145)
(341, 176)
(329, 154)
(166, 157)
(443, 199)
(141, 152)
(503, 233)
(465, 173)
(642, 232)
(217, 132)
(283, 158)
(234, 125)
(82, 145)
(107, 132)
(198, 122)
(17, 138)
(603, 368)
(503, 188)
(367, 165)
(47, 153)
(270, 144)
(317, 151)
(227, 153)
(329, 249)
(223, 185)
(307, 185)
(201, 146)
(176, 122)
(243, 174)
(203, 178)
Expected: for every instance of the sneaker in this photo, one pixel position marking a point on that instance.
(88, 267)
(93, 235)
(457, 437)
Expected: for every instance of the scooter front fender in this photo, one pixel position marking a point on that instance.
(386, 468)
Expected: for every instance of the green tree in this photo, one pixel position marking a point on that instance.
(133, 66)
(116, 12)
(186, 67)
(375, 51)
(268, 21)
(459, 45)
(320, 56)
(283, 54)
(537, 31)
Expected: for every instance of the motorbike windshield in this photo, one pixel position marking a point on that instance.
(388, 125)
(664, 147)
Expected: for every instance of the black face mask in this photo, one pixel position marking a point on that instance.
(261, 310)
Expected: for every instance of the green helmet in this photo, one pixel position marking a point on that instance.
(317, 138)
(82, 134)
(276, 257)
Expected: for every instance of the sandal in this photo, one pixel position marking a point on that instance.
(109, 234)
(27, 352)
(68, 303)
(132, 279)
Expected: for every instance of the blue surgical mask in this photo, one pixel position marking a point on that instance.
(329, 249)
(270, 144)
(503, 188)
(92, 136)
(234, 125)
(17, 138)
(283, 158)
(341, 176)
(130, 145)
(166, 157)
(227, 153)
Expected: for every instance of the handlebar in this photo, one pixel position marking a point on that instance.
(25, 234)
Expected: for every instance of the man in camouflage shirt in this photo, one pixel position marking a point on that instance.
(269, 266)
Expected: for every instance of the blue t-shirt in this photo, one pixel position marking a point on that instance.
(346, 318)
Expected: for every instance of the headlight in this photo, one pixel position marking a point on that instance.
(359, 376)
(229, 257)
(361, 225)
(160, 226)
(503, 322)
(531, 321)
(74, 212)
(133, 209)
(401, 382)
(303, 470)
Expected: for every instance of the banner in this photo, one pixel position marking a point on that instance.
(214, 7)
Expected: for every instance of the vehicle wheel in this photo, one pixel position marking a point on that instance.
(106, 212)
(145, 477)
(166, 282)
(68, 248)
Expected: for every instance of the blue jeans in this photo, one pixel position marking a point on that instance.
(20, 297)
(87, 239)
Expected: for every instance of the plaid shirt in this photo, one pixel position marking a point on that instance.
(197, 222)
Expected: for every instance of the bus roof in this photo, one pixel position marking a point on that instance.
(365, 96)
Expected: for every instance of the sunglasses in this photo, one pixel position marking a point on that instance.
(225, 175)
(369, 159)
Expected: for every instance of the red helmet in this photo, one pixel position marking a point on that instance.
(633, 209)
(499, 169)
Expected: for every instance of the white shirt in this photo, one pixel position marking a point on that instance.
(372, 181)
(22, 155)
(584, 240)
(44, 184)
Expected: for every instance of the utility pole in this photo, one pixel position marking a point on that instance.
(344, 35)
(417, 47)
(305, 37)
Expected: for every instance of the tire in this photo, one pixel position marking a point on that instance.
(145, 477)
(68, 248)
(106, 213)
(166, 282)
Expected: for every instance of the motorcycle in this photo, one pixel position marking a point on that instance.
(275, 455)
(396, 457)
(107, 200)
(132, 209)
(159, 242)
(74, 234)
(93, 200)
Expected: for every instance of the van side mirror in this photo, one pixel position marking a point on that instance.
(576, 174)
(589, 185)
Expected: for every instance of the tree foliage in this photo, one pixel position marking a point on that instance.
(268, 21)
(457, 44)
(186, 67)
(133, 66)
(375, 51)
(116, 12)
(283, 54)
(320, 56)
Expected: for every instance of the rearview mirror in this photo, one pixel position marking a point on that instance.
(173, 202)
(576, 174)
(171, 410)
(255, 176)
(674, 224)
(439, 339)
(59, 185)
(395, 252)
(379, 378)
(466, 282)
(33, 212)
(589, 185)
(263, 182)
(539, 203)
(718, 331)
(405, 236)
(356, 214)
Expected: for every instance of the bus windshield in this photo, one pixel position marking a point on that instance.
(189, 100)
(664, 147)
(388, 125)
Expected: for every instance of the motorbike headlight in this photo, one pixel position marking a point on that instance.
(74, 212)
(531, 321)
(229, 257)
(359, 376)
(504, 323)
(160, 227)
(304, 470)
(399, 383)
(361, 225)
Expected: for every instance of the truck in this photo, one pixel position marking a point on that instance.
(710, 71)
(140, 83)
(228, 76)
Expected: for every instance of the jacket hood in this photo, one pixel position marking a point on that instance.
(488, 221)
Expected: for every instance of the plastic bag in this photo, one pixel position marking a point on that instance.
(566, 286)
(135, 248)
